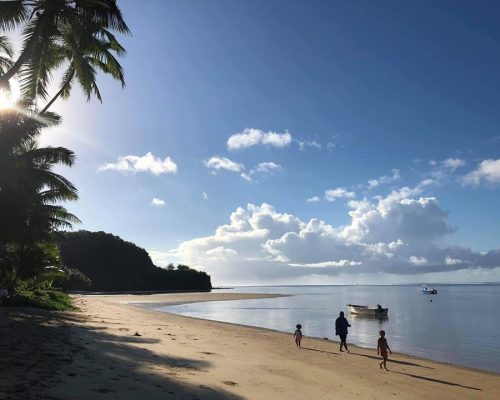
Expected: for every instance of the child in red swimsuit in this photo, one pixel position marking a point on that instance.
(382, 348)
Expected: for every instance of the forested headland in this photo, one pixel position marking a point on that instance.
(113, 264)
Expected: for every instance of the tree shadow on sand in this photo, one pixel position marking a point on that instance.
(53, 356)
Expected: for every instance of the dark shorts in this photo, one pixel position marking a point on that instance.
(343, 337)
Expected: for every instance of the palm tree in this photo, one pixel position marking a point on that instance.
(48, 26)
(87, 48)
(29, 189)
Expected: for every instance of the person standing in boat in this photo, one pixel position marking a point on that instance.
(341, 325)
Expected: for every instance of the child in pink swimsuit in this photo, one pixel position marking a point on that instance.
(382, 348)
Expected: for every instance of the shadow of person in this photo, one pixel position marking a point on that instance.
(425, 378)
(320, 351)
(393, 361)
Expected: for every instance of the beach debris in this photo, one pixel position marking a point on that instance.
(137, 334)
(325, 338)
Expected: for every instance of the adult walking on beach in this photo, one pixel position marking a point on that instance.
(341, 326)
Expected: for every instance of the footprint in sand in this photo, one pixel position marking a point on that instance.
(208, 353)
(229, 383)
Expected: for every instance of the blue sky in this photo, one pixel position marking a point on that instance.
(353, 90)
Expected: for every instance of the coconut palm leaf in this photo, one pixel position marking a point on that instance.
(13, 14)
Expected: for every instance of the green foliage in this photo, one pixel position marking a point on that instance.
(47, 299)
(75, 34)
(29, 194)
(116, 265)
(70, 279)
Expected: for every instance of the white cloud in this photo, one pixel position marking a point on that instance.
(147, 163)
(246, 177)
(373, 183)
(308, 143)
(418, 260)
(220, 253)
(488, 171)
(161, 258)
(314, 199)
(339, 263)
(251, 137)
(453, 163)
(204, 195)
(396, 235)
(157, 202)
(453, 261)
(334, 194)
(266, 168)
(217, 163)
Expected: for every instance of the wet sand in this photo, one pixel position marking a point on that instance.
(113, 349)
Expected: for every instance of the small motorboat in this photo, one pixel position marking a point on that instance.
(377, 311)
(428, 290)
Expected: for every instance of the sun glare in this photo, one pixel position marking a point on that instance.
(5, 100)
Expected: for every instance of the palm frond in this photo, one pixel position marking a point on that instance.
(6, 46)
(104, 13)
(13, 14)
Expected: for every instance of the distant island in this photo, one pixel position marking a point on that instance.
(114, 265)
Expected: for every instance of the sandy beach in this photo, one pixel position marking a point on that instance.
(113, 349)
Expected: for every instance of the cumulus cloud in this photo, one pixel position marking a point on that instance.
(488, 171)
(220, 253)
(453, 261)
(157, 202)
(314, 199)
(339, 263)
(373, 183)
(418, 260)
(399, 234)
(252, 137)
(453, 163)
(217, 163)
(266, 168)
(204, 195)
(338, 193)
(147, 163)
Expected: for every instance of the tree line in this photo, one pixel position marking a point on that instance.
(113, 264)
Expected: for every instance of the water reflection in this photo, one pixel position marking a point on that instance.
(439, 330)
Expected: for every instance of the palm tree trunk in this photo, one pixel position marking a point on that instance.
(70, 77)
(4, 79)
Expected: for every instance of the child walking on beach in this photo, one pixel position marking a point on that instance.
(382, 348)
(298, 334)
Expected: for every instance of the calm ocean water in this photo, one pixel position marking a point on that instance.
(461, 325)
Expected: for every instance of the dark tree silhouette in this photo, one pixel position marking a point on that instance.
(113, 264)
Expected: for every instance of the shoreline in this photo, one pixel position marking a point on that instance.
(115, 349)
(147, 305)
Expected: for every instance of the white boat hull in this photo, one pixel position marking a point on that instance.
(369, 311)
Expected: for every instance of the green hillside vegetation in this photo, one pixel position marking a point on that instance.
(113, 264)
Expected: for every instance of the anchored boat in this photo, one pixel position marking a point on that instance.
(378, 311)
(427, 290)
